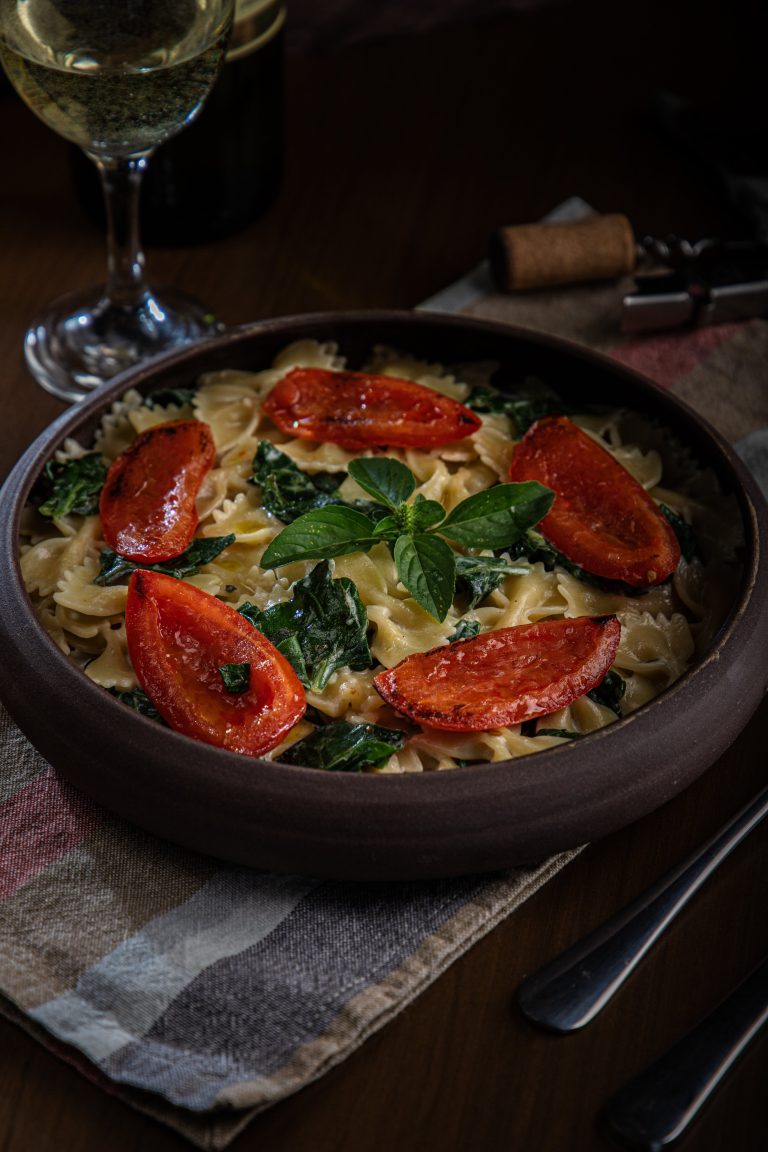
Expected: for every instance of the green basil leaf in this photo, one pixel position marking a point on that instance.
(426, 566)
(477, 576)
(162, 397)
(686, 537)
(321, 535)
(202, 550)
(324, 626)
(496, 517)
(343, 747)
(388, 528)
(424, 514)
(236, 677)
(74, 486)
(465, 630)
(139, 701)
(387, 480)
(609, 691)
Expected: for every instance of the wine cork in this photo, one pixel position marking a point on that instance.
(567, 252)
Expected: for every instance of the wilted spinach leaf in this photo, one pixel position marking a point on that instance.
(561, 733)
(286, 491)
(162, 397)
(477, 576)
(139, 701)
(686, 537)
(343, 747)
(324, 626)
(528, 403)
(202, 550)
(533, 547)
(609, 691)
(236, 677)
(464, 630)
(72, 487)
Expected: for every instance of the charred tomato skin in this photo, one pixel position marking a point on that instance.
(147, 504)
(360, 410)
(503, 677)
(178, 639)
(602, 519)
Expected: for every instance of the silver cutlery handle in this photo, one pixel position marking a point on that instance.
(570, 991)
(657, 1107)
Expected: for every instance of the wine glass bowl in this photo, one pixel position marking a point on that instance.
(117, 80)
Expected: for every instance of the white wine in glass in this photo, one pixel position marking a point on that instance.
(117, 77)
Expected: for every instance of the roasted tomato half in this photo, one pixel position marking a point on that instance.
(602, 519)
(147, 504)
(358, 410)
(184, 645)
(503, 677)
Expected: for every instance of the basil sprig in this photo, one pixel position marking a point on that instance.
(417, 532)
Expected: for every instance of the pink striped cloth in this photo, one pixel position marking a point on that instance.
(201, 993)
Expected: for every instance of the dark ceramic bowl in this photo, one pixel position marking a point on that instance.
(388, 827)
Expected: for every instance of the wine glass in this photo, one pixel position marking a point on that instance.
(117, 77)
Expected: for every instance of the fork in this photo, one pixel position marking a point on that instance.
(572, 989)
(655, 1108)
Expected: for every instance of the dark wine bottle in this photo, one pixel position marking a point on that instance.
(223, 171)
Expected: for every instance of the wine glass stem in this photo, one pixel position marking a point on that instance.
(121, 182)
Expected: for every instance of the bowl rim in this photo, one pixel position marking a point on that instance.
(408, 789)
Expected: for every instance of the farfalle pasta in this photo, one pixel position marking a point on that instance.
(662, 629)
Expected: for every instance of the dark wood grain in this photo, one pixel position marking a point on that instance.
(403, 154)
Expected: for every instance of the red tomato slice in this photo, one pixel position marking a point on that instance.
(602, 519)
(147, 503)
(358, 410)
(178, 639)
(502, 677)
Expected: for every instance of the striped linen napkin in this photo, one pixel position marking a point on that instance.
(201, 993)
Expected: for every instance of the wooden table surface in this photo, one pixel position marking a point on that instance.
(402, 156)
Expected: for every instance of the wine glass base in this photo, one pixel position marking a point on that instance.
(84, 340)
